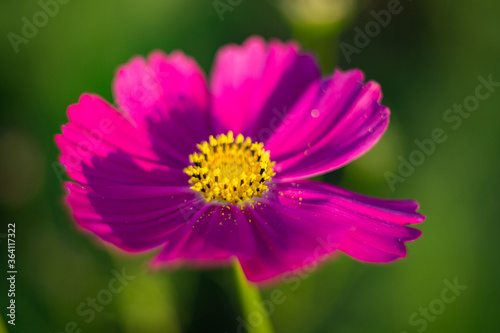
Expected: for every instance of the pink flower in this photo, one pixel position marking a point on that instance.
(214, 172)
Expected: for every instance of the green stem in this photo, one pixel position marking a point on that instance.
(251, 303)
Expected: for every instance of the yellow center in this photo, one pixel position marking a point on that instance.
(230, 170)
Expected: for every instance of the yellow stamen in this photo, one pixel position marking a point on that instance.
(230, 169)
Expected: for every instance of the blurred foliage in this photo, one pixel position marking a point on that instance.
(426, 59)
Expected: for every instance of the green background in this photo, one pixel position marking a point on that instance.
(428, 58)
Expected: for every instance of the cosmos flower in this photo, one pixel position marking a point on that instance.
(209, 172)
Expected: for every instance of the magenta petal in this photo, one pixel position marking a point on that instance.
(96, 127)
(256, 84)
(333, 124)
(295, 225)
(214, 234)
(167, 98)
(132, 217)
(265, 242)
(128, 203)
(100, 146)
(126, 193)
(377, 228)
(289, 237)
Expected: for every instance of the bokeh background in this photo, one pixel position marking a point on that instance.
(428, 58)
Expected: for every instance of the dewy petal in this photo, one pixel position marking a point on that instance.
(294, 225)
(333, 123)
(255, 85)
(265, 242)
(376, 228)
(167, 97)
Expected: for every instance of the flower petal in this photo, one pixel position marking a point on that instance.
(214, 235)
(377, 228)
(266, 243)
(167, 97)
(256, 84)
(125, 192)
(97, 133)
(333, 124)
(132, 217)
(295, 225)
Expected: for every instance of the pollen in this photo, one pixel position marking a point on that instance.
(229, 169)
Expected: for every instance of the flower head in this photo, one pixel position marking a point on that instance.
(214, 172)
